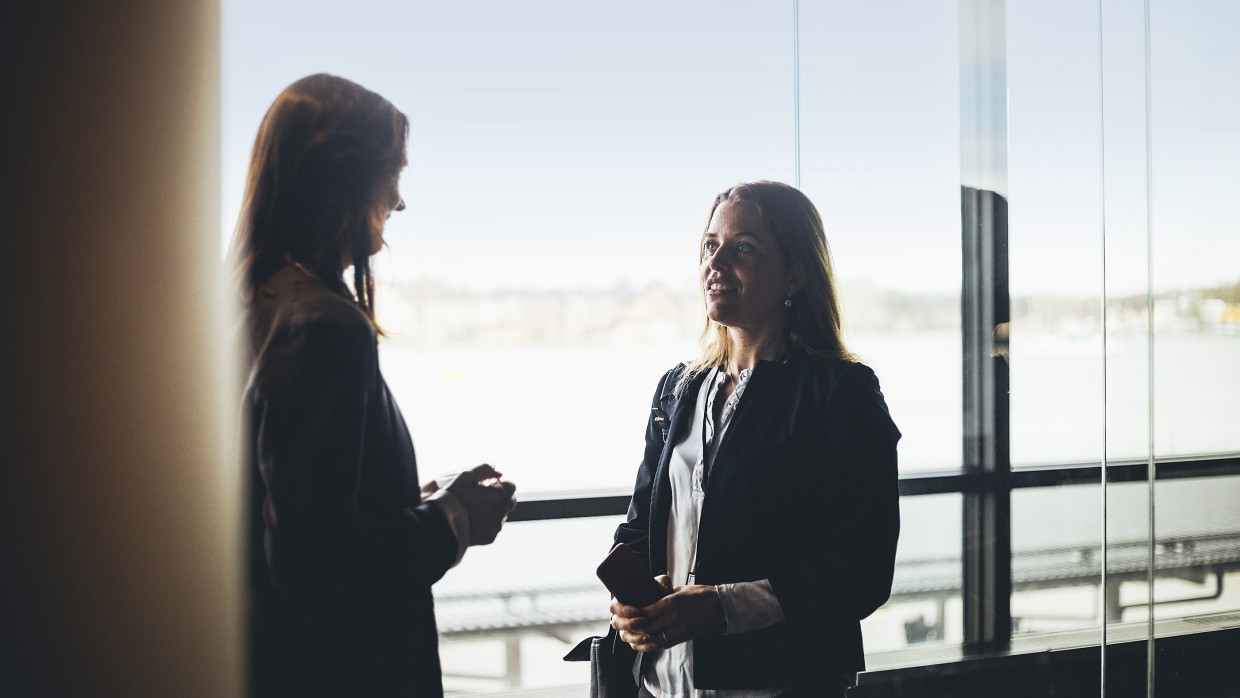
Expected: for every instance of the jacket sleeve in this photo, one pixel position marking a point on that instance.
(635, 531)
(310, 421)
(848, 572)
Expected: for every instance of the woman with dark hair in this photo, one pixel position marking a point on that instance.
(343, 543)
(767, 501)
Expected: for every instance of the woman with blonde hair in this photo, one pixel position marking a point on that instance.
(766, 503)
(343, 543)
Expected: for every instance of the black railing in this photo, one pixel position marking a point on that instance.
(615, 502)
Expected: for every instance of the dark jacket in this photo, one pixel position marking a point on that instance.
(803, 492)
(342, 552)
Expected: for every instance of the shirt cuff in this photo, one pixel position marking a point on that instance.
(749, 606)
(458, 519)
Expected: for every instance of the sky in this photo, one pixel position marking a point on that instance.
(570, 144)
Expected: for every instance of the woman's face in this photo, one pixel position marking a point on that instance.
(744, 274)
(391, 201)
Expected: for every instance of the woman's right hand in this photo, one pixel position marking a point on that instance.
(687, 612)
(630, 622)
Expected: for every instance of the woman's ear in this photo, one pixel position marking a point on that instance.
(796, 279)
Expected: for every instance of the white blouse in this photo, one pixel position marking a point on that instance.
(747, 606)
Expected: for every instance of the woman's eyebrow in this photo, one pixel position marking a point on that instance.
(743, 233)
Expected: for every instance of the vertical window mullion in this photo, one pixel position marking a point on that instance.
(985, 310)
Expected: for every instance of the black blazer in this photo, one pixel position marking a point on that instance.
(342, 552)
(803, 492)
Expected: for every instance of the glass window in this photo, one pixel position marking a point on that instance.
(1055, 233)
(510, 612)
(563, 158)
(1195, 148)
(559, 177)
(880, 157)
(1196, 547)
(1057, 558)
(925, 606)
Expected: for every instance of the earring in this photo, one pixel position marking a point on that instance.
(788, 300)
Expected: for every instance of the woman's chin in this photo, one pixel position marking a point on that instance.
(721, 316)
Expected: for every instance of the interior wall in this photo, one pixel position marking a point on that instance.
(119, 558)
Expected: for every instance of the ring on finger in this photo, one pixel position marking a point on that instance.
(663, 637)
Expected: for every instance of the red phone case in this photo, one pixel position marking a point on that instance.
(628, 579)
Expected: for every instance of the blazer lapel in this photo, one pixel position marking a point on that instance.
(681, 417)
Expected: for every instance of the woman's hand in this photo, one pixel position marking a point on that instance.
(486, 497)
(430, 488)
(630, 621)
(688, 612)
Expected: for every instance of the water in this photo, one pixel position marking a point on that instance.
(570, 417)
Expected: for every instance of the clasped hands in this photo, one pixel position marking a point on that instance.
(689, 611)
(486, 497)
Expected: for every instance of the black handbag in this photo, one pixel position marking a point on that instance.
(611, 665)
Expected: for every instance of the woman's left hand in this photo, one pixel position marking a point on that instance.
(688, 612)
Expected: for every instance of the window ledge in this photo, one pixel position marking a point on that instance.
(1197, 651)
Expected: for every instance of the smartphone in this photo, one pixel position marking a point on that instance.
(628, 579)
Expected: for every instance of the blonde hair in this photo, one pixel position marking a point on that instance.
(814, 318)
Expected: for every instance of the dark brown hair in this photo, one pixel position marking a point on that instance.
(323, 166)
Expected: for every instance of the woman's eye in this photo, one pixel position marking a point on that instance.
(745, 247)
(710, 246)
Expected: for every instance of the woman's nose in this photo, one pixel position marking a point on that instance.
(717, 260)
